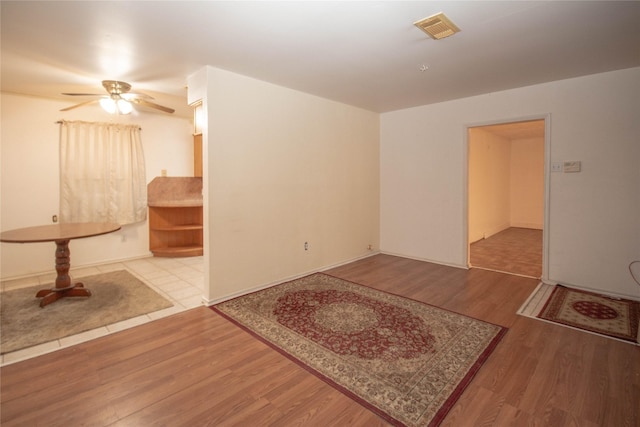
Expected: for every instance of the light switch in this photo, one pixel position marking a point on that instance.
(573, 166)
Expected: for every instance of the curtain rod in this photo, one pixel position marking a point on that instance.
(59, 122)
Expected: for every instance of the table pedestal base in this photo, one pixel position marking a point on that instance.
(63, 288)
(51, 295)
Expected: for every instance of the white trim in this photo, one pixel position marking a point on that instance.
(76, 267)
(547, 170)
(448, 264)
(547, 196)
(532, 306)
(530, 225)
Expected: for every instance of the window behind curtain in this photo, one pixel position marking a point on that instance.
(102, 174)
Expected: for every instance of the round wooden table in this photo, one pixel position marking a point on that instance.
(61, 234)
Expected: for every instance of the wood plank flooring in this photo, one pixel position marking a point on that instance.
(197, 369)
(514, 250)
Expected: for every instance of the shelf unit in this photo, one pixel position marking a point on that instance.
(175, 230)
(175, 216)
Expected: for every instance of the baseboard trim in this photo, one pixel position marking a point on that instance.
(464, 267)
(76, 267)
(210, 302)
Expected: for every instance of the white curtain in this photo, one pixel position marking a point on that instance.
(102, 174)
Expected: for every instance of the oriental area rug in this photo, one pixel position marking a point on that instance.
(406, 361)
(115, 296)
(587, 311)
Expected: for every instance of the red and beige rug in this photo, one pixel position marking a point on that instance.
(611, 317)
(405, 360)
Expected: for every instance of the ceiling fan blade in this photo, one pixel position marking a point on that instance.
(116, 90)
(152, 105)
(84, 94)
(130, 96)
(82, 104)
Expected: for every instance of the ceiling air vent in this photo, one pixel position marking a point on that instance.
(437, 26)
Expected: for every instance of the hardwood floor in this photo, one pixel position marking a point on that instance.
(514, 250)
(196, 369)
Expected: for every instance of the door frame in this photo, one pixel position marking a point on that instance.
(547, 171)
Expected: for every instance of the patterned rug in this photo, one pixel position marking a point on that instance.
(617, 318)
(405, 360)
(609, 317)
(115, 296)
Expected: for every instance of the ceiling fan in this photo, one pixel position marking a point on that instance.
(119, 99)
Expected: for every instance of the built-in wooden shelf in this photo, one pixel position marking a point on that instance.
(183, 251)
(175, 216)
(179, 227)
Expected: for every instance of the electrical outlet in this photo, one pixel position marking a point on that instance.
(306, 246)
(163, 172)
(556, 166)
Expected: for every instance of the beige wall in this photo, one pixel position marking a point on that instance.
(506, 183)
(593, 215)
(489, 184)
(283, 168)
(29, 178)
(527, 183)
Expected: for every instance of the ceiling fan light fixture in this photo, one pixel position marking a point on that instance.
(113, 106)
(124, 106)
(437, 26)
(114, 86)
(108, 105)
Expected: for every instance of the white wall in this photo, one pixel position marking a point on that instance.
(29, 179)
(284, 168)
(594, 222)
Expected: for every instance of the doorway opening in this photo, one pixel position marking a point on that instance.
(506, 197)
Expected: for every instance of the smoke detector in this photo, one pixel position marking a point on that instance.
(437, 26)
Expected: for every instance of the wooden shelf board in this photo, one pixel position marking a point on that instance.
(186, 227)
(178, 251)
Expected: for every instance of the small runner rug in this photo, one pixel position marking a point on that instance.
(115, 296)
(587, 311)
(405, 360)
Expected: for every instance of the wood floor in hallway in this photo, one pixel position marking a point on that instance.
(514, 250)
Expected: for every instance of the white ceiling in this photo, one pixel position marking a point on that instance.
(366, 54)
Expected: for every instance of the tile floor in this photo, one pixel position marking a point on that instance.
(180, 280)
(536, 301)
